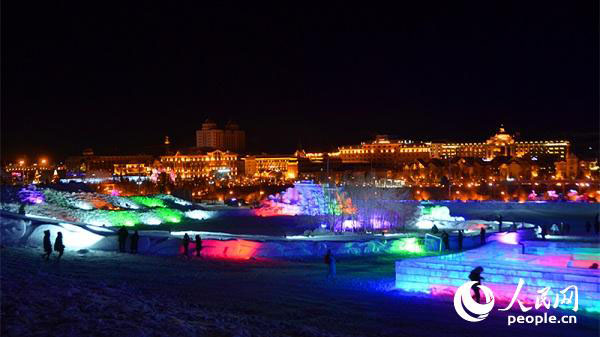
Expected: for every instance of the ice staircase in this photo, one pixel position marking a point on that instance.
(503, 266)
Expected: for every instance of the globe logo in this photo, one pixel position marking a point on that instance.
(467, 308)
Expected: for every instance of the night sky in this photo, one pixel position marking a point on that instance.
(119, 77)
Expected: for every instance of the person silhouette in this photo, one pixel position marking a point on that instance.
(461, 237)
(47, 245)
(135, 237)
(446, 240)
(500, 223)
(186, 244)
(198, 245)
(475, 275)
(482, 235)
(122, 233)
(330, 262)
(544, 232)
(58, 245)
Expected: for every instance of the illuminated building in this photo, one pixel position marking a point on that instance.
(231, 138)
(122, 165)
(209, 136)
(384, 152)
(285, 165)
(573, 168)
(502, 144)
(198, 164)
(234, 139)
(131, 169)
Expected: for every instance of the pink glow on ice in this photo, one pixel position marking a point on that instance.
(228, 249)
(272, 208)
(511, 238)
(476, 227)
(554, 260)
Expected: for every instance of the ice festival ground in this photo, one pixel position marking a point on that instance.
(96, 293)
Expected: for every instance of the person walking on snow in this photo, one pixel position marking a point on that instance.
(544, 232)
(58, 245)
(134, 242)
(122, 233)
(482, 235)
(330, 262)
(500, 223)
(198, 245)
(186, 244)
(446, 240)
(47, 245)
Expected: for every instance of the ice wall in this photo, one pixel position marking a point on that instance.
(503, 266)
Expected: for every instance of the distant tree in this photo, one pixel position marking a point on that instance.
(378, 208)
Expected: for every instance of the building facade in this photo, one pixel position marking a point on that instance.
(201, 165)
(119, 165)
(384, 152)
(231, 138)
(502, 144)
(285, 165)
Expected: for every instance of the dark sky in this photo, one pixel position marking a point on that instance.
(119, 77)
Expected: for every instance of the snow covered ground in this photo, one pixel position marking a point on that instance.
(93, 293)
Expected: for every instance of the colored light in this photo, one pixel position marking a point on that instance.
(168, 214)
(83, 205)
(406, 245)
(31, 196)
(123, 218)
(198, 214)
(148, 201)
(228, 249)
(511, 238)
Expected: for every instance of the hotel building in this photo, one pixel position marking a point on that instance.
(267, 164)
(385, 152)
(119, 165)
(503, 144)
(231, 138)
(196, 164)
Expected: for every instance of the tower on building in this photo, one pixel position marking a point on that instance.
(230, 138)
(167, 143)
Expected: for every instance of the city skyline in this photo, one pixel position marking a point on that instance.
(167, 146)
